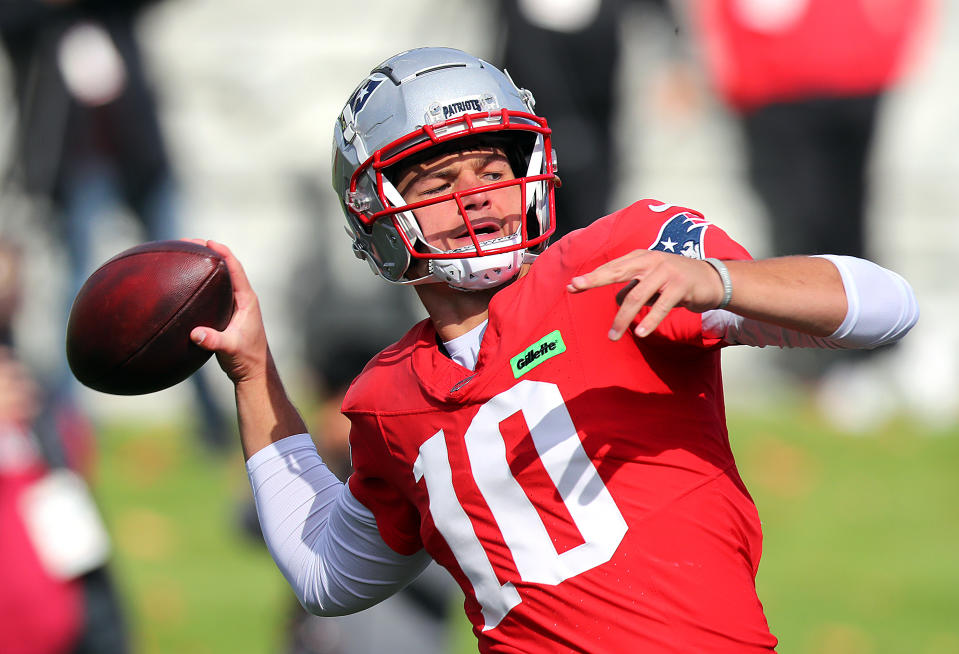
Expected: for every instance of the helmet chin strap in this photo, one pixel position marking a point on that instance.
(479, 273)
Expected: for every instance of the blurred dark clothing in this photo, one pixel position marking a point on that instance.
(807, 81)
(58, 133)
(89, 137)
(808, 161)
(572, 73)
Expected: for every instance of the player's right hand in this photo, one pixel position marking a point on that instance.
(241, 348)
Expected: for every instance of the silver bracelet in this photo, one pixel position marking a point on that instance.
(723, 271)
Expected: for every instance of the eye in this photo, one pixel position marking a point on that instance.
(495, 170)
(435, 189)
(428, 187)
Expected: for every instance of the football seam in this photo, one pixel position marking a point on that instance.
(159, 330)
(169, 249)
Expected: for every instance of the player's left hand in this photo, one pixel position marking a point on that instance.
(660, 280)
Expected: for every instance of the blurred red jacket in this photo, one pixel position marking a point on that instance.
(763, 51)
(39, 614)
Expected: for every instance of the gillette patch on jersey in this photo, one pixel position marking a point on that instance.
(540, 351)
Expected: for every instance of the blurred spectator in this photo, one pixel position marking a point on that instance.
(88, 136)
(806, 80)
(57, 596)
(569, 52)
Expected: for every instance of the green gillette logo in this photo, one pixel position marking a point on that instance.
(543, 349)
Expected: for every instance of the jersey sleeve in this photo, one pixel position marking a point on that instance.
(396, 517)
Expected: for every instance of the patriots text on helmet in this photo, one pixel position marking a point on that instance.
(461, 106)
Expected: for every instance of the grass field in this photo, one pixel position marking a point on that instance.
(861, 539)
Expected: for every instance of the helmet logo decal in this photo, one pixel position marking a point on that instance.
(682, 234)
(362, 94)
(355, 104)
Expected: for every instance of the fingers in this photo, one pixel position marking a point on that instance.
(243, 297)
(238, 276)
(655, 279)
(669, 298)
(241, 283)
(241, 348)
(638, 270)
(651, 290)
(618, 270)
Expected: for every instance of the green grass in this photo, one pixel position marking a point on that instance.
(192, 580)
(861, 539)
(861, 533)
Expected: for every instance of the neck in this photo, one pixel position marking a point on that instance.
(454, 312)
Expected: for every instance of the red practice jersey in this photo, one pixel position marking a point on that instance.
(581, 491)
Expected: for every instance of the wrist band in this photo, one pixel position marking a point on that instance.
(720, 268)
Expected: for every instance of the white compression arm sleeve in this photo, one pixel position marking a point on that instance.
(881, 309)
(323, 540)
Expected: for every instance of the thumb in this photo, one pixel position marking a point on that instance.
(205, 337)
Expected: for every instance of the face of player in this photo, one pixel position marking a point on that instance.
(492, 213)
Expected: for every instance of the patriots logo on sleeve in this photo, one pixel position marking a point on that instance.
(682, 234)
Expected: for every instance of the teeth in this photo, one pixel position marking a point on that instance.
(486, 244)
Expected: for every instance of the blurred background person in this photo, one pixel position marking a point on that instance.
(570, 53)
(806, 80)
(57, 595)
(88, 139)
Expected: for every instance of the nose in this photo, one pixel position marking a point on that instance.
(473, 201)
(476, 201)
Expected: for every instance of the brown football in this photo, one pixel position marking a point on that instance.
(129, 328)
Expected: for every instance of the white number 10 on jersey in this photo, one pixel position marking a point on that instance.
(589, 503)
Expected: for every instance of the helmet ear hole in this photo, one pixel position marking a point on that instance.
(389, 249)
(533, 228)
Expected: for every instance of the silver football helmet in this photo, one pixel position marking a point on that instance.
(431, 101)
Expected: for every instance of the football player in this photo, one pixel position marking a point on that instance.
(553, 434)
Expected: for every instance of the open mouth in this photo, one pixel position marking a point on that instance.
(491, 240)
(484, 231)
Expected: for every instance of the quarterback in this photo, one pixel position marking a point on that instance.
(554, 433)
